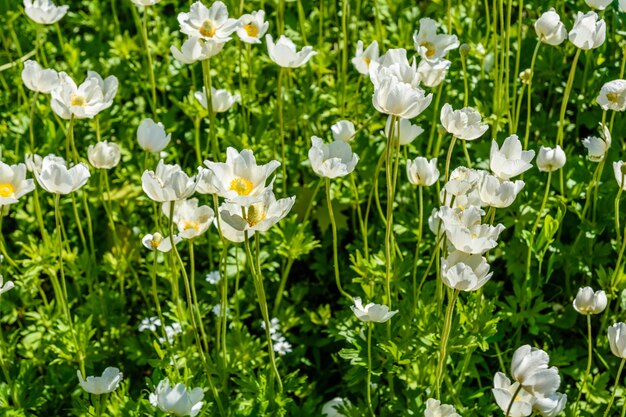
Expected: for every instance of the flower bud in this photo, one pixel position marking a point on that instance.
(587, 302)
(550, 159)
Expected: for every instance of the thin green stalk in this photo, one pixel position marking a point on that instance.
(589, 359)
(208, 91)
(417, 245)
(389, 214)
(529, 99)
(617, 203)
(619, 374)
(281, 133)
(445, 335)
(449, 157)
(359, 213)
(566, 94)
(513, 398)
(144, 34)
(536, 224)
(329, 203)
(369, 368)
(192, 273)
(345, 4)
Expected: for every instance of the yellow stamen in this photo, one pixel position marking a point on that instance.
(241, 186)
(208, 29)
(189, 224)
(255, 214)
(430, 49)
(6, 190)
(78, 101)
(252, 30)
(367, 61)
(613, 97)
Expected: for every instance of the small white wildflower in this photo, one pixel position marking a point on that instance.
(213, 277)
(150, 323)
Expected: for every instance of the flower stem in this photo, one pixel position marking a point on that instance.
(333, 225)
(617, 201)
(144, 33)
(417, 246)
(445, 335)
(536, 224)
(508, 409)
(619, 374)
(529, 99)
(279, 101)
(566, 94)
(588, 370)
(206, 73)
(369, 368)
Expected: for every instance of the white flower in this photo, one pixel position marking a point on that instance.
(177, 400)
(462, 181)
(104, 384)
(330, 408)
(430, 45)
(108, 87)
(331, 160)
(230, 233)
(464, 231)
(167, 183)
(407, 132)
(465, 272)
(371, 312)
(283, 52)
(588, 302)
(597, 148)
(394, 64)
(433, 73)
(210, 24)
(151, 136)
(464, 123)
(240, 180)
(503, 392)
(150, 323)
(422, 172)
(343, 131)
(613, 95)
(509, 160)
(551, 405)
(170, 333)
(495, 192)
(104, 155)
(217, 310)
(622, 6)
(13, 183)
(434, 408)
(617, 339)
(213, 277)
(38, 79)
(158, 242)
(192, 220)
(55, 177)
(195, 49)
(529, 367)
(550, 29)
(86, 100)
(619, 169)
(221, 100)
(258, 216)
(145, 2)
(598, 4)
(550, 159)
(282, 346)
(5, 286)
(252, 27)
(364, 58)
(395, 97)
(588, 32)
(44, 11)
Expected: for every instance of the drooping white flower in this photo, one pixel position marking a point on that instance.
(221, 99)
(177, 400)
(550, 159)
(510, 160)
(240, 180)
(398, 98)
(503, 392)
(252, 27)
(406, 132)
(588, 32)
(13, 183)
(190, 218)
(498, 193)
(465, 272)
(159, 242)
(44, 12)
(284, 53)
(613, 95)
(422, 172)
(589, 302)
(38, 79)
(151, 136)
(598, 4)
(104, 155)
(343, 131)
(259, 216)
(465, 123)
(429, 44)
(55, 177)
(434, 408)
(529, 367)
(167, 183)
(364, 58)
(86, 100)
(550, 29)
(465, 231)
(376, 313)
(433, 73)
(208, 23)
(104, 384)
(331, 160)
(597, 148)
(196, 49)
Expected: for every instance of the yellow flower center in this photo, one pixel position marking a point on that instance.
(251, 29)
(6, 190)
(613, 97)
(189, 224)
(255, 214)
(367, 61)
(208, 29)
(430, 49)
(78, 100)
(156, 241)
(241, 186)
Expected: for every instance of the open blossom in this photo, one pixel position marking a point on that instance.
(229, 232)
(151, 136)
(159, 242)
(465, 123)
(38, 79)
(208, 23)
(398, 98)
(13, 183)
(371, 312)
(149, 323)
(422, 172)
(44, 11)
(462, 180)
(429, 44)
(221, 100)
(364, 58)
(613, 95)
(331, 160)
(597, 148)
(177, 400)
(588, 32)
(104, 155)
(55, 177)
(503, 392)
(283, 52)
(167, 183)
(343, 131)
(550, 159)
(550, 29)
(252, 27)
(465, 232)
(529, 367)
(394, 64)
(85, 101)
(433, 73)
(589, 302)
(190, 218)
(196, 49)
(104, 384)
(510, 160)
(403, 130)
(495, 192)
(259, 216)
(551, 405)
(434, 408)
(465, 272)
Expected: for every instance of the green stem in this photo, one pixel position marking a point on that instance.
(279, 98)
(508, 409)
(417, 246)
(529, 99)
(208, 91)
(619, 374)
(617, 201)
(333, 225)
(369, 368)
(445, 335)
(144, 33)
(566, 94)
(589, 358)
(536, 224)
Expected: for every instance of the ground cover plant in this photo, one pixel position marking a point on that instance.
(304, 208)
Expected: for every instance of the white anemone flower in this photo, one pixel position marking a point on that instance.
(343, 131)
(434, 408)
(465, 232)
(597, 148)
(550, 29)
(617, 339)
(363, 58)
(331, 408)
(221, 100)
(503, 392)
(260, 216)
(208, 23)
(104, 384)
(167, 183)
(433, 73)
(429, 44)
(465, 272)
(498, 193)
(190, 218)
(598, 4)
(284, 53)
(177, 400)
(151, 136)
(331, 160)
(104, 155)
(376, 313)
(529, 367)
(252, 27)
(588, 32)
(465, 123)
(510, 160)
(551, 405)
(406, 132)
(462, 181)
(240, 180)
(619, 169)
(395, 64)
(44, 12)
(5, 286)
(13, 183)
(86, 100)
(228, 232)
(196, 49)
(613, 96)
(38, 79)
(589, 302)
(55, 177)
(422, 172)
(398, 98)
(550, 159)
(158, 242)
